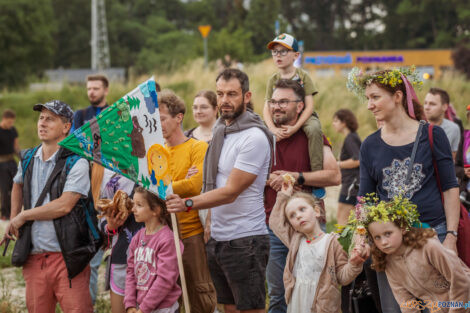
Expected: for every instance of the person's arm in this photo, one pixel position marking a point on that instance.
(348, 164)
(330, 175)
(347, 270)
(405, 299)
(49, 211)
(277, 219)
(16, 206)
(237, 182)
(16, 146)
(192, 185)
(267, 117)
(451, 268)
(452, 212)
(130, 294)
(306, 113)
(367, 183)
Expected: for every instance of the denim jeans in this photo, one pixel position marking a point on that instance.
(94, 265)
(387, 300)
(274, 273)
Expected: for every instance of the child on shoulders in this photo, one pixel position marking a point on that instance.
(285, 50)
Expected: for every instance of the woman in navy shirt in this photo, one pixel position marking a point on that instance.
(385, 156)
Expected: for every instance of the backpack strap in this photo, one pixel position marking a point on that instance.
(434, 163)
(26, 159)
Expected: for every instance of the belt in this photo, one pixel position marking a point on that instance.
(6, 157)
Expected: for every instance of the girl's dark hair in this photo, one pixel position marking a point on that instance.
(415, 238)
(417, 107)
(348, 118)
(154, 203)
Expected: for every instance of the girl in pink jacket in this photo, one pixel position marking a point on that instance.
(152, 267)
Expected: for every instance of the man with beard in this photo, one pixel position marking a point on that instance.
(292, 156)
(236, 167)
(97, 90)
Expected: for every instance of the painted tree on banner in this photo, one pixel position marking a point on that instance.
(127, 138)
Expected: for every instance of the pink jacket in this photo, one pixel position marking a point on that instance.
(337, 270)
(152, 271)
(431, 273)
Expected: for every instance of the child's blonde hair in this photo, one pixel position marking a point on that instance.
(154, 203)
(311, 200)
(415, 238)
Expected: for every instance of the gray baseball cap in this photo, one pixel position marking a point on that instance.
(56, 106)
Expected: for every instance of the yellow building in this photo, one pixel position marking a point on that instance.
(325, 63)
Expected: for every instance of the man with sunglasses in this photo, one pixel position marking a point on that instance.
(291, 156)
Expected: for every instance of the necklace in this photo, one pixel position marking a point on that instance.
(143, 242)
(309, 240)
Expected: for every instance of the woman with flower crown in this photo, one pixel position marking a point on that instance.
(388, 165)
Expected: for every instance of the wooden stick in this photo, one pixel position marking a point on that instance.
(176, 237)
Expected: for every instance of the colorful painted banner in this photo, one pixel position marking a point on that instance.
(127, 138)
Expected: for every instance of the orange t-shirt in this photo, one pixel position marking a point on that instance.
(182, 157)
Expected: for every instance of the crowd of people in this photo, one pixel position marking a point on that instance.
(248, 196)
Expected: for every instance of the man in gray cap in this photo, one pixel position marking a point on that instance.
(50, 182)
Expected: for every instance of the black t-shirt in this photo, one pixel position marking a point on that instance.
(350, 150)
(7, 140)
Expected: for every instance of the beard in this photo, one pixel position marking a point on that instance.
(284, 119)
(96, 102)
(233, 114)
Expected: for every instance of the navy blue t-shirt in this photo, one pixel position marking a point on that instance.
(383, 170)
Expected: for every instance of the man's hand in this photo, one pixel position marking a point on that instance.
(191, 172)
(10, 234)
(131, 310)
(175, 204)
(114, 222)
(276, 183)
(16, 223)
(450, 243)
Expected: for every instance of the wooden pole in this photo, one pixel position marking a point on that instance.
(176, 237)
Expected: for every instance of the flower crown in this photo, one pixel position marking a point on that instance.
(358, 81)
(368, 209)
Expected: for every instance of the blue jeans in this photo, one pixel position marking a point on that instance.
(387, 300)
(274, 273)
(94, 265)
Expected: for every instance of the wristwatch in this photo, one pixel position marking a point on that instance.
(453, 232)
(301, 179)
(189, 204)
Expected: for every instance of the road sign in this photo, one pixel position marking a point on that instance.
(204, 30)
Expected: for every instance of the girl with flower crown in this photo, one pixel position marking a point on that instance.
(417, 265)
(385, 157)
(316, 263)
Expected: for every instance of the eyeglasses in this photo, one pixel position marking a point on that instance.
(282, 103)
(282, 52)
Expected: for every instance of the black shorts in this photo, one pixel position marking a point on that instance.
(351, 200)
(238, 270)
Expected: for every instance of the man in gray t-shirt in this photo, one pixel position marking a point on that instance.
(436, 103)
(46, 272)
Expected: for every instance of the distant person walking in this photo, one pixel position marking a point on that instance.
(345, 122)
(8, 148)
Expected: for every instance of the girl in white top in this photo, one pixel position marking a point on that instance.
(316, 263)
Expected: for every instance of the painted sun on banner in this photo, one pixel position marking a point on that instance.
(127, 138)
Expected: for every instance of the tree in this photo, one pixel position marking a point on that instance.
(26, 41)
(260, 22)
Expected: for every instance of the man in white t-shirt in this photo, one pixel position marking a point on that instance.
(235, 172)
(436, 103)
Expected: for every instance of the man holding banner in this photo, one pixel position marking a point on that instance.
(186, 153)
(235, 171)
